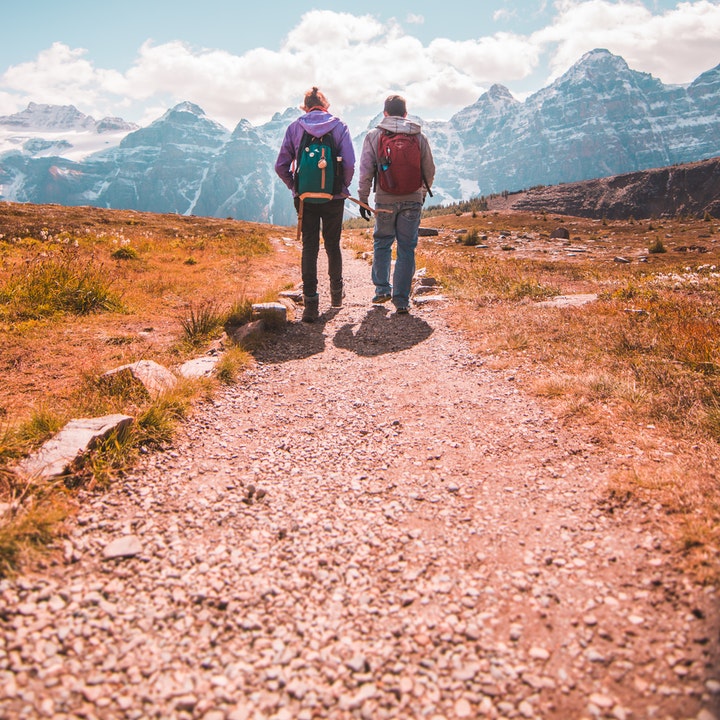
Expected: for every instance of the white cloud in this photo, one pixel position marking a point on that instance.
(8, 104)
(675, 46)
(500, 58)
(414, 19)
(357, 60)
(60, 75)
(503, 14)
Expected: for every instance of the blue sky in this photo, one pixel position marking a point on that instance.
(135, 59)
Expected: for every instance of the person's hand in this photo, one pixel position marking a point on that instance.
(365, 214)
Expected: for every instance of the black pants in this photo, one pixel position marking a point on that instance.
(329, 215)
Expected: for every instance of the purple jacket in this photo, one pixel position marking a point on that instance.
(317, 123)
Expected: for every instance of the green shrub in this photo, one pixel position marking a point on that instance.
(657, 246)
(201, 322)
(231, 364)
(471, 238)
(50, 285)
(125, 253)
(239, 314)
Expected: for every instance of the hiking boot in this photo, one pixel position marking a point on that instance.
(310, 313)
(402, 310)
(380, 299)
(336, 295)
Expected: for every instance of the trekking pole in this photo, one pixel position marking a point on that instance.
(367, 207)
(326, 196)
(300, 217)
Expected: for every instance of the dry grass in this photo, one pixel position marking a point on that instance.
(646, 354)
(639, 367)
(84, 290)
(170, 293)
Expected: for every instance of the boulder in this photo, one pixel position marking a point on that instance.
(248, 335)
(155, 378)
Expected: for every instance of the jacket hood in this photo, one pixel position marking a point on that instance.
(396, 124)
(318, 122)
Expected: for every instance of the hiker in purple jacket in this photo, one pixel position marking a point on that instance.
(317, 121)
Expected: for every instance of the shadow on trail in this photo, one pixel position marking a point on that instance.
(381, 332)
(298, 340)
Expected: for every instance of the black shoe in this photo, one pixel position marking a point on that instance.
(402, 310)
(380, 299)
(337, 293)
(310, 313)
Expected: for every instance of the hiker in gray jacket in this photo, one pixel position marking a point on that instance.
(396, 158)
(318, 122)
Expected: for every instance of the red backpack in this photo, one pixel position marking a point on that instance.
(399, 170)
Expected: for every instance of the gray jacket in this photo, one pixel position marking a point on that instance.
(369, 161)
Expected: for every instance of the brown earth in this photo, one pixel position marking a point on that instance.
(374, 523)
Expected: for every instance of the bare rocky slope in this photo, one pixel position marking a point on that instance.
(691, 189)
(372, 524)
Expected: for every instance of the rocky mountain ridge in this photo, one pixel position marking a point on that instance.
(55, 118)
(599, 119)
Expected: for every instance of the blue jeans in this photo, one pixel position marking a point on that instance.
(401, 224)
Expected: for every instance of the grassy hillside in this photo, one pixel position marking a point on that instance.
(84, 290)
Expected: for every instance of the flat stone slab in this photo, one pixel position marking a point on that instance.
(122, 547)
(272, 312)
(569, 300)
(425, 299)
(198, 367)
(295, 295)
(155, 378)
(78, 436)
(426, 290)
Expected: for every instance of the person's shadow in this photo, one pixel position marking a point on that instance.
(295, 341)
(381, 332)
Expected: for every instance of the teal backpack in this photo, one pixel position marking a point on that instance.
(317, 168)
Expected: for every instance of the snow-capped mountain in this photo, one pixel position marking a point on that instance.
(59, 130)
(600, 118)
(184, 162)
(54, 118)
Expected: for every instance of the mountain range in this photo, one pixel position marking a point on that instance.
(600, 118)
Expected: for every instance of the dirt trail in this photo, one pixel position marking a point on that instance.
(372, 524)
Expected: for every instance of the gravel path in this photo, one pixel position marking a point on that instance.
(373, 524)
